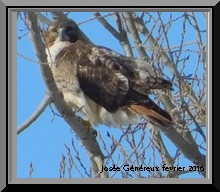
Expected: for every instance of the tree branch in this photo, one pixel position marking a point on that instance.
(119, 36)
(187, 146)
(184, 134)
(141, 27)
(82, 128)
(45, 102)
(180, 136)
(158, 142)
(134, 34)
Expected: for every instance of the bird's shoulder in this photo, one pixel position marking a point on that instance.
(98, 56)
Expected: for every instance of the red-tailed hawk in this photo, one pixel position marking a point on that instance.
(107, 87)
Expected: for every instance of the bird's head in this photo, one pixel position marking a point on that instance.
(65, 31)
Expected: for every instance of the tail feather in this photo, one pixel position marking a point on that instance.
(142, 104)
(153, 111)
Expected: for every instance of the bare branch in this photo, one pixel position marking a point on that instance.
(134, 34)
(119, 36)
(141, 27)
(43, 19)
(186, 144)
(45, 102)
(105, 23)
(186, 104)
(82, 128)
(158, 142)
(165, 99)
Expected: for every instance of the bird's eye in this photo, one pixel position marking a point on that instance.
(54, 30)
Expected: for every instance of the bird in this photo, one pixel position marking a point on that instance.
(106, 87)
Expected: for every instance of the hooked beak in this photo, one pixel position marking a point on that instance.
(62, 34)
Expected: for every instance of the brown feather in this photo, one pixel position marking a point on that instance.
(106, 84)
(145, 111)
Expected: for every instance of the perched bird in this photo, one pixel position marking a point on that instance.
(106, 86)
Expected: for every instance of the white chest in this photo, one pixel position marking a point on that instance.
(54, 50)
(92, 111)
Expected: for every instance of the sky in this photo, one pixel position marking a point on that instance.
(43, 143)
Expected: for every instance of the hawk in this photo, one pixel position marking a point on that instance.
(107, 87)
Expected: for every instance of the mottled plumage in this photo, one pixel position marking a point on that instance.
(109, 88)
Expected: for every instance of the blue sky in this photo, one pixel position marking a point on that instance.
(43, 142)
